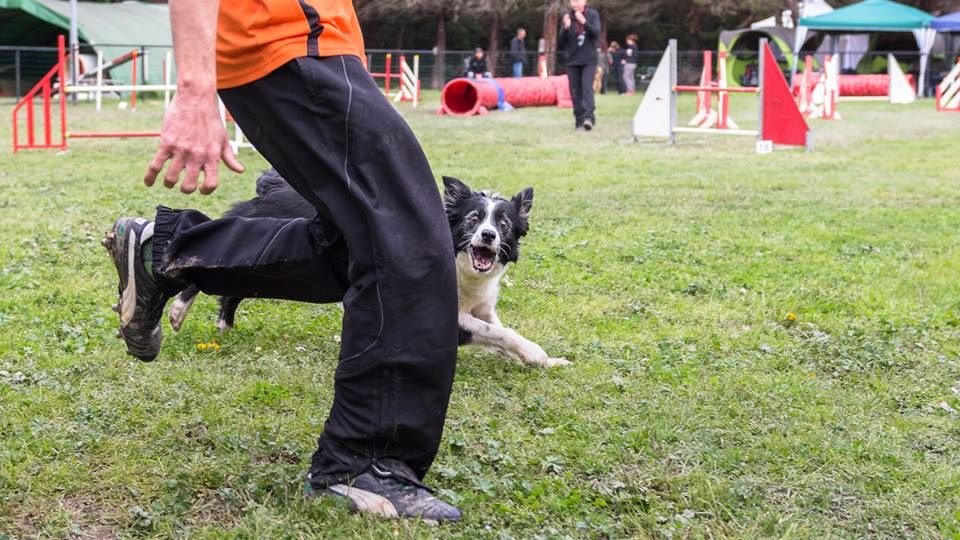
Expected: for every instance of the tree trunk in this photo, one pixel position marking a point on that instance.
(693, 26)
(794, 11)
(439, 61)
(603, 43)
(493, 48)
(551, 22)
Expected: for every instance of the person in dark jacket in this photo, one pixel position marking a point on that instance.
(578, 39)
(477, 68)
(616, 55)
(631, 57)
(518, 52)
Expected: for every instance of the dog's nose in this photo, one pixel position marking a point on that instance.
(488, 236)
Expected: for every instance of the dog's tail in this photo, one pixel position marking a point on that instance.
(269, 181)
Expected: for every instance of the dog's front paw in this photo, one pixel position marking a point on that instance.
(557, 362)
(178, 313)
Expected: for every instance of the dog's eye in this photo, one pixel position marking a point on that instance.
(473, 219)
(504, 225)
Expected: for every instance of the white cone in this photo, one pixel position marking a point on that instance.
(900, 90)
(653, 115)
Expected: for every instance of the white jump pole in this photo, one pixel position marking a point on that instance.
(167, 76)
(99, 92)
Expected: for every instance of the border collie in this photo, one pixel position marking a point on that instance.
(486, 229)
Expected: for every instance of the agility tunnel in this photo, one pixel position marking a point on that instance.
(469, 97)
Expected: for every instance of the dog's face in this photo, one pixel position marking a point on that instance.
(486, 227)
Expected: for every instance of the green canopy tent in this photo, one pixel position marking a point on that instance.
(113, 29)
(871, 16)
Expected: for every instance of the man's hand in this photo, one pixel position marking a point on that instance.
(581, 18)
(566, 20)
(194, 141)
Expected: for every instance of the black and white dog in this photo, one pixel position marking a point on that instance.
(486, 229)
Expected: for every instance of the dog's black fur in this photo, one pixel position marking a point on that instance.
(275, 198)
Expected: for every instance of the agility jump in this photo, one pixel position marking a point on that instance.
(781, 122)
(53, 125)
(819, 94)
(408, 77)
(948, 91)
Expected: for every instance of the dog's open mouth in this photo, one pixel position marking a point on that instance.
(482, 257)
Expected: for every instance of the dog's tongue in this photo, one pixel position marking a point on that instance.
(483, 258)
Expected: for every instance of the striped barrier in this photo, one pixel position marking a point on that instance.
(948, 91)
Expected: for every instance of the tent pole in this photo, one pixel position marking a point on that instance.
(74, 46)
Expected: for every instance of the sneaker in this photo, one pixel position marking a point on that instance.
(141, 300)
(588, 125)
(392, 494)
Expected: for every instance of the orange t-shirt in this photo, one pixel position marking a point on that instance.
(255, 37)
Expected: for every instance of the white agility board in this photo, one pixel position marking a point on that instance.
(900, 90)
(654, 116)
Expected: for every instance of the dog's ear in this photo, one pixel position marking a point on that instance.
(454, 191)
(524, 202)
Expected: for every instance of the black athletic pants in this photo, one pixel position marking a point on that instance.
(581, 91)
(380, 243)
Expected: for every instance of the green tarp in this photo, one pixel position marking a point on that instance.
(871, 16)
(113, 29)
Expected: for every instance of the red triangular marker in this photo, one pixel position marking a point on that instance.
(782, 121)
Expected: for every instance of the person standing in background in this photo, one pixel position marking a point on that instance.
(616, 56)
(578, 39)
(631, 57)
(518, 52)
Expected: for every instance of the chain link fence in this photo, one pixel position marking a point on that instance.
(22, 67)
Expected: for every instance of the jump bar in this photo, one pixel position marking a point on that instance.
(112, 134)
(746, 132)
(716, 89)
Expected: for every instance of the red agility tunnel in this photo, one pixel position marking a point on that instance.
(468, 97)
(858, 85)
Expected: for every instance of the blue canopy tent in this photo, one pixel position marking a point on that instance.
(947, 23)
(949, 26)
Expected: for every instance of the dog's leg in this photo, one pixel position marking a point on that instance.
(487, 312)
(228, 311)
(506, 342)
(181, 306)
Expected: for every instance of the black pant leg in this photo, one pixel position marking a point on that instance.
(574, 74)
(326, 127)
(589, 72)
(291, 259)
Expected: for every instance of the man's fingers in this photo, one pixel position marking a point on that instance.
(173, 171)
(189, 183)
(150, 177)
(210, 177)
(230, 159)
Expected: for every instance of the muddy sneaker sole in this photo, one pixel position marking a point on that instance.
(139, 303)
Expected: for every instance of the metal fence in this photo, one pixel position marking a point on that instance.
(22, 67)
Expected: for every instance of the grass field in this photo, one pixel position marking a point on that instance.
(670, 276)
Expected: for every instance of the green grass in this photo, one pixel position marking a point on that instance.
(694, 408)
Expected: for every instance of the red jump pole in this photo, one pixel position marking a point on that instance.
(133, 78)
(46, 114)
(61, 51)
